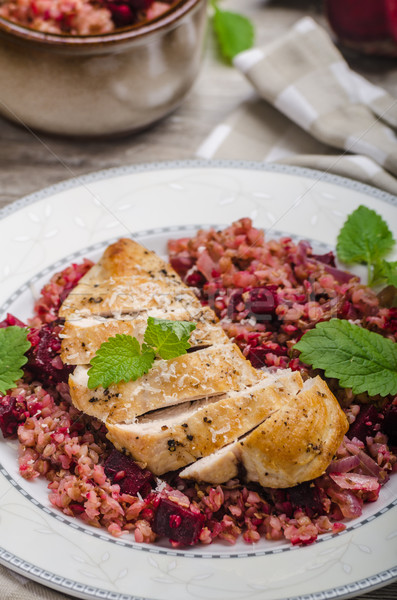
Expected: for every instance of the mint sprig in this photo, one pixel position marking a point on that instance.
(360, 359)
(365, 238)
(235, 32)
(385, 272)
(13, 346)
(122, 358)
(169, 338)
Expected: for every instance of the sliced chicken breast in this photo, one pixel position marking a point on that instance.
(217, 468)
(82, 337)
(133, 295)
(172, 438)
(128, 278)
(211, 371)
(295, 443)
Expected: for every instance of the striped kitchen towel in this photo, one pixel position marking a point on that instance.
(310, 106)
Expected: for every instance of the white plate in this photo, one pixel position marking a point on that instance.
(45, 231)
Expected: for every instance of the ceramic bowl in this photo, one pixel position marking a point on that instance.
(103, 85)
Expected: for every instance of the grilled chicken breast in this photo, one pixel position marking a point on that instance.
(82, 337)
(128, 279)
(170, 439)
(209, 408)
(295, 443)
(209, 372)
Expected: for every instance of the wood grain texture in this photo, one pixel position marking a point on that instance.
(29, 162)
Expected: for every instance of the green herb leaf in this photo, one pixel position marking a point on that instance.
(169, 338)
(118, 359)
(361, 359)
(364, 238)
(13, 345)
(388, 271)
(234, 32)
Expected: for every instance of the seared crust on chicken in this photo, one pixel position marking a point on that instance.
(170, 439)
(295, 443)
(82, 337)
(209, 408)
(202, 374)
(128, 279)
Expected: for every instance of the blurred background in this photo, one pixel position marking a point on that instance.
(30, 161)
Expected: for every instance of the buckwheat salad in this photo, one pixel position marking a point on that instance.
(82, 17)
(274, 298)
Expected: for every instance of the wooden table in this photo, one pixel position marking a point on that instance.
(29, 162)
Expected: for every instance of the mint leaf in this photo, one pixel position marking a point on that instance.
(13, 345)
(234, 32)
(121, 358)
(364, 238)
(118, 359)
(389, 272)
(169, 338)
(362, 360)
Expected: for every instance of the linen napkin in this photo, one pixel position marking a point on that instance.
(310, 106)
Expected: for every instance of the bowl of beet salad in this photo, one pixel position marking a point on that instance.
(97, 68)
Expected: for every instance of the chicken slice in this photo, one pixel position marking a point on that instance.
(295, 443)
(172, 438)
(128, 278)
(82, 337)
(116, 297)
(204, 373)
(217, 468)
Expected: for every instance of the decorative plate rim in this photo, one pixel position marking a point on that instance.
(72, 587)
(195, 164)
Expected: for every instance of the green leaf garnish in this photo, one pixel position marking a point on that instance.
(387, 271)
(13, 345)
(234, 32)
(121, 358)
(360, 359)
(118, 359)
(169, 338)
(364, 238)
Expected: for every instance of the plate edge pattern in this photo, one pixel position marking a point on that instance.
(74, 182)
(73, 587)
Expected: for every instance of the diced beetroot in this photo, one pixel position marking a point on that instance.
(43, 357)
(359, 20)
(177, 523)
(308, 497)
(257, 357)
(347, 311)
(365, 424)
(257, 354)
(195, 279)
(234, 301)
(261, 303)
(131, 478)
(122, 14)
(389, 425)
(13, 412)
(10, 321)
(391, 324)
(182, 263)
